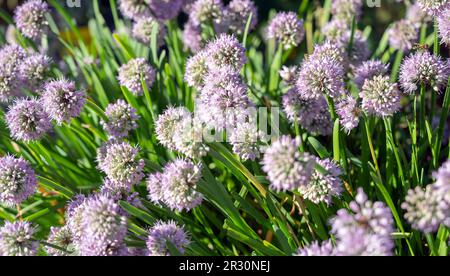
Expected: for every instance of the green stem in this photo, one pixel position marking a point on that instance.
(372, 150)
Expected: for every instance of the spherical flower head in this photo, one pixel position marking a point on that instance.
(165, 9)
(30, 18)
(134, 9)
(244, 139)
(34, 69)
(121, 163)
(414, 13)
(403, 34)
(192, 37)
(162, 233)
(61, 237)
(423, 68)
(444, 27)
(205, 11)
(142, 30)
(237, 14)
(323, 186)
(168, 125)
(365, 229)
(360, 48)
(380, 97)
(131, 74)
(155, 188)
(347, 9)
(289, 74)
(225, 51)
(196, 70)
(27, 120)
(16, 239)
(434, 7)
(62, 101)
(335, 29)
(11, 56)
(442, 176)
(330, 49)
(287, 29)
(104, 229)
(315, 250)
(313, 115)
(122, 119)
(74, 216)
(319, 77)
(286, 167)
(349, 113)
(369, 69)
(17, 180)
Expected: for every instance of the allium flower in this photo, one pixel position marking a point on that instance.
(162, 233)
(74, 216)
(365, 229)
(286, 167)
(177, 185)
(423, 68)
(61, 237)
(289, 74)
(11, 57)
(369, 69)
(237, 14)
(335, 29)
(349, 113)
(316, 249)
(444, 27)
(360, 48)
(323, 187)
(244, 139)
(225, 51)
(206, 11)
(17, 180)
(30, 18)
(433, 7)
(196, 70)
(142, 30)
(27, 120)
(403, 34)
(131, 74)
(442, 176)
(168, 125)
(62, 101)
(134, 9)
(192, 37)
(319, 77)
(347, 9)
(104, 229)
(311, 114)
(380, 97)
(287, 29)
(165, 9)
(34, 69)
(16, 239)
(122, 119)
(330, 49)
(121, 163)
(415, 14)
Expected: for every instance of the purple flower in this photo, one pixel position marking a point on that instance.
(311, 114)
(134, 9)
(27, 120)
(142, 30)
(192, 36)
(365, 229)
(316, 249)
(131, 74)
(17, 180)
(442, 176)
(330, 49)
(11, 56)
(34, 69)
(196, 70)
(74, 216)
(423, 68)
(324, 186)
(61, 237)
(403, 34)
(225, 51)
(287, 29)
(176, 186)
(286, 167)
(122, 119)
(349, 113)
(289, 74)
(30, 18)
(335, 29)
(434, 7)
(206, 11)
(367, 70)
(165, 9)
(347, 9)
(16, 239)
(120, 162)
(360, 48)
(62, 101)
(320, 77)
(444, 27)
(414, 13)
(237, 14)
(380, 97)
(104, 229)
(244, 139)
(162, 233)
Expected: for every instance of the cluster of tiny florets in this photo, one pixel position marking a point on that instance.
(142, 30)
(380, 97)
(122, 119)
(16, 239)
(403, 34)
(133, 74)
(237, 13)
(30, 18)
(166, 232)
(287, 29)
